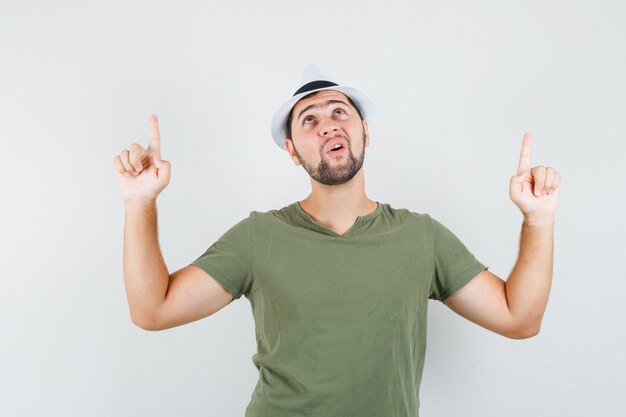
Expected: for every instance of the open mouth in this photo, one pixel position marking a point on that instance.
(337, 146)
(336, 149)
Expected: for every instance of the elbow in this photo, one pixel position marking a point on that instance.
(145, 322)
(525, 332)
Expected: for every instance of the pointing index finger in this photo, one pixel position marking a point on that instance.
(155, 137)
(524, 157)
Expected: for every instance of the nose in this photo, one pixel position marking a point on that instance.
(328, 128)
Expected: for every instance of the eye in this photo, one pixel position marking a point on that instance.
(342, 111)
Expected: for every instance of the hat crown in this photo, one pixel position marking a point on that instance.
(312, 73)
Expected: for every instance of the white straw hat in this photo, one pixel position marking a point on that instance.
(314, 78)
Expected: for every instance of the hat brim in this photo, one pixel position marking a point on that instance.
(279, 121)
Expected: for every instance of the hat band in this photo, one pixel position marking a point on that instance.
(313, 85)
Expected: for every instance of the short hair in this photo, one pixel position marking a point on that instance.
(311, 95)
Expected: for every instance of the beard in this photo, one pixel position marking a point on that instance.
(336, 173)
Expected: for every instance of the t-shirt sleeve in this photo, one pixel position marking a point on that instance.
(455, 265)
(229, 259)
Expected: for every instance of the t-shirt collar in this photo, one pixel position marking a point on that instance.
(356, 226)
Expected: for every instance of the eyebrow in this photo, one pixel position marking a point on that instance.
(328, 103)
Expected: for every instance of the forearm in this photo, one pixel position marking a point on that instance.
(145, 274)
(528, 285)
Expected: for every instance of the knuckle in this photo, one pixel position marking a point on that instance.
(118, 165)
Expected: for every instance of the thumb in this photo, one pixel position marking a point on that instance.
(520, 178)
(518, 183)
(163, 166)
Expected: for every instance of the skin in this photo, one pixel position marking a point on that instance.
(335, 207)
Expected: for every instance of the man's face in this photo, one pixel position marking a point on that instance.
(321, 122)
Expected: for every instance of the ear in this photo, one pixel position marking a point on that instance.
(290, 150)
(367, 134)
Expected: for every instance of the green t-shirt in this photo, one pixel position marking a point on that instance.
(340, 320)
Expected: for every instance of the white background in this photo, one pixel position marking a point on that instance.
(455, 84)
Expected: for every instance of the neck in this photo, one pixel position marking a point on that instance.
(338, 206)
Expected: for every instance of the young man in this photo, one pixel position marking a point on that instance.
(339, 284)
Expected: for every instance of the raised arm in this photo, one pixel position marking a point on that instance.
(515, 308)
(157, 300)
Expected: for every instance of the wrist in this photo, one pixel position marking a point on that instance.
(139, 203)
(541, 220)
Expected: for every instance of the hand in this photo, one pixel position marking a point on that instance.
(141, 172)
(534, 190)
